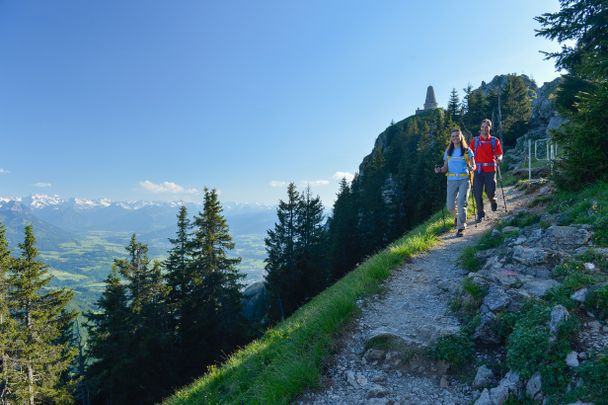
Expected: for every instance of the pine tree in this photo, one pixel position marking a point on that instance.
(516, 109)
(580, 25)
(109, 336)
(41, 321)
(477, 108)
(149, 337)
(454, 106)
(7, 324)
(130, 337)
(342, 233)
(311, 248)
(177, 267)
(179, 282)
(215, 323)
(281, 258)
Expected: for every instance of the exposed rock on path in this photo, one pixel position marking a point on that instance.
(382, 359)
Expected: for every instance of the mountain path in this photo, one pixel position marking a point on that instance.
(414, 306)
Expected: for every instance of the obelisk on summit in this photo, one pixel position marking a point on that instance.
(429, 103)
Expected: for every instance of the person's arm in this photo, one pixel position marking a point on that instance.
(498, 151)
(444, 168)
(472, 165)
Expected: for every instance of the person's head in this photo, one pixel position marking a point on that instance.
(486, 127)
(457, 140)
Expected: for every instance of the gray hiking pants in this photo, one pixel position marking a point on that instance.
(460, 189)
(483, 180)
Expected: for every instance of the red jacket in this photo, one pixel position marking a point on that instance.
(485, 157)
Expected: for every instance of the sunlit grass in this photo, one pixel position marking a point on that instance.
(289, 357)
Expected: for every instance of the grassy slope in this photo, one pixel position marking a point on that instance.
(289, 357)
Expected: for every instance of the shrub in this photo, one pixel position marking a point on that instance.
(457, 350)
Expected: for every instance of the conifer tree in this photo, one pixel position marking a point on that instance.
(311, 251)
(177, 268)
(7, 324)
(516, 109)
(41, 320)
(130, 337)
(281, 260)
(580, 25)
(108, 343)
(342, 233)
(149, 337)
(454, 106)
(477, 108)
(215, 324)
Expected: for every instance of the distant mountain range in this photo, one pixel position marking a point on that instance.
(55, 218)
(79, 238)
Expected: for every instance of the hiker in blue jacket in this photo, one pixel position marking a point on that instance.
(459, 164)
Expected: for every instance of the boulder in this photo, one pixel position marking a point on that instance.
(510, 385)
(496, 299)
(534, 387)
(486, 332)
(559, 313)
(565, 237)
(484, 377)
(254, 301)
(539, 287)
(572, 359)
(530, 256)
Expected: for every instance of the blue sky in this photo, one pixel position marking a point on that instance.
(156, 99)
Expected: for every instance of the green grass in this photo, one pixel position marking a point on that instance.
(587, 206)
(289, 357)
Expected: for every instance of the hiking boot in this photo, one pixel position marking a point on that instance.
(494, 205)
(460, 233)
(480, 217)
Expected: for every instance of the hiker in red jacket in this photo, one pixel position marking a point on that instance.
(488, 153)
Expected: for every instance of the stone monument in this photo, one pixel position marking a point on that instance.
(429, 103)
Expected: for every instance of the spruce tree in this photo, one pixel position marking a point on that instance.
(342, 233)
(580, 25)
(179, 282)
(454, 106)
(8, 368)
(516, 109)
(149, 338)
(177, 267)
(109, 336)
(311, 249)
(41, 320)
(215, 324)
(281, 260)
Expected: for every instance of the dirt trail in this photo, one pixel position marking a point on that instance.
(415, 307)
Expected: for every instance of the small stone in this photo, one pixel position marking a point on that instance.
(351, 378)
(534, 386)
(595, 326)
(572, 359)
(399, 374)
(510, 229)
(443, 383)
(580, 295)
(589, 266)
(378, 378)
(559, 313)
(374, 355)
(605, 329)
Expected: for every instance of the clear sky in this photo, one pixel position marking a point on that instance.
(153, 100)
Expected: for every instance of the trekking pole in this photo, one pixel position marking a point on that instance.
(502, 189)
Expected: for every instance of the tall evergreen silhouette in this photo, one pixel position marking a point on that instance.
(42, 322)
